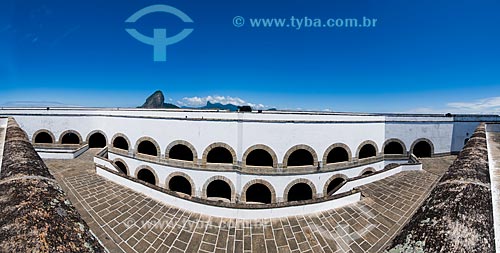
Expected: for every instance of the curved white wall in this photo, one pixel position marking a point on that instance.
(278, 181)
(280, 131)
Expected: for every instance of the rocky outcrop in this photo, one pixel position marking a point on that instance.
(35, 215)
(157, 100)
(219, 106)
(457, 216)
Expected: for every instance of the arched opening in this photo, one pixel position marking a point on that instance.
(337, 154)
(368, 150)
(43, 137)
(219, 189)
(368, 172)
(259, 157)
(180, 184)
(147, 148)
(120, 143)
(181, 152)
(422, 149)
(394, 148)
(121, 166)
(258, 193)
(300, 157)
(334, 185)
(299, 192)
(146, 176)
(70, 138)
(219, 155)
(97, 140)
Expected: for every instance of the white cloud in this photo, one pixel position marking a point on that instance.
(36, 104)
(481, 106)
(426, 110)
(201, 101)
(486, 105)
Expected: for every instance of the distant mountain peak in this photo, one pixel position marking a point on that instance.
(219, 106)
(157, 100)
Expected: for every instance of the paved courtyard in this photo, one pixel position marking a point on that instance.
(127, 221)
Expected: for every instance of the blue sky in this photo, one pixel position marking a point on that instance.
(422, 56)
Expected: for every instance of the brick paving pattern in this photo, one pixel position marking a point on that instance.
(127, 221)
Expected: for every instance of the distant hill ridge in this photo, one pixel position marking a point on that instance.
(157, 100)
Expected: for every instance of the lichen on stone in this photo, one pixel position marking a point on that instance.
(35, 213)
(457, 216)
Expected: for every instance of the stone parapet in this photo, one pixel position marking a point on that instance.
(36, 215)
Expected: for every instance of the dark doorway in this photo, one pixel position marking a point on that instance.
(259, 157)
(43, 137)
(146, 176)
(300, 157)
(120, 143)
(300, 191)
(219, 189)
(121, 166)
(97, 140)
(338, 154)
(219, 155)
(394, 148)
(334, 185)
(422, 149)
(368, 150)
(258, 193)
(368, 172)
(180, 184)
(70, 138)
(147, 148)
(181, 152)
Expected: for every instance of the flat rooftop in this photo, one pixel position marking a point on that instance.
(255, 116)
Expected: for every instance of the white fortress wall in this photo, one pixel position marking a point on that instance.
(240, 135)
(277, 130)
(283, 136)
(226, 212)
(278, 181)
(438, 132)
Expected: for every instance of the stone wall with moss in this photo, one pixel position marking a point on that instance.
(457, 216)
(35, 214)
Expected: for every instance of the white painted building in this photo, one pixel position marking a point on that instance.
(269, 157)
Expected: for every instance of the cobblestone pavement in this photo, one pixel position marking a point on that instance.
(127, 221)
